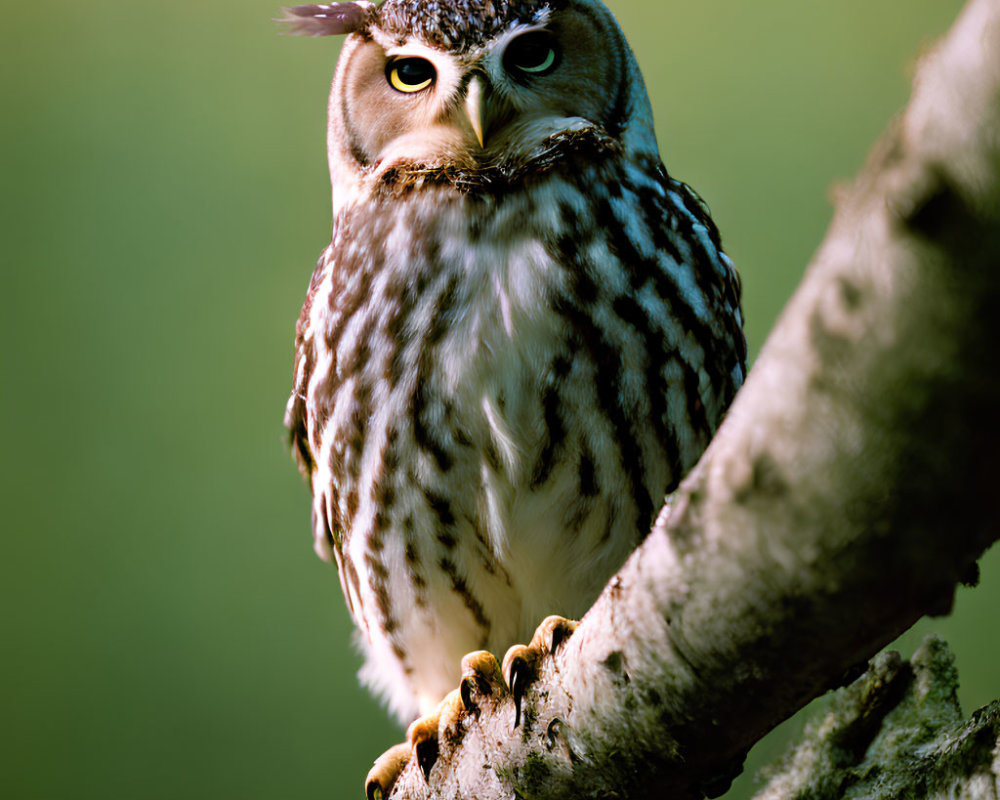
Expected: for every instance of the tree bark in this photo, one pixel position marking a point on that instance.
(849, 489)
(896, 732)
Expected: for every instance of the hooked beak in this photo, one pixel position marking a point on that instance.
(476, 107)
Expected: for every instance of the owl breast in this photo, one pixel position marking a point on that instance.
(499, 392)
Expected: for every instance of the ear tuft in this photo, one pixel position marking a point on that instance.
(331, 19)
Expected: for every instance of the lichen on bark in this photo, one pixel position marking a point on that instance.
(896, 732)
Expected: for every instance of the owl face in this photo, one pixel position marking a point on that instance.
(411, 102)
(469, 84)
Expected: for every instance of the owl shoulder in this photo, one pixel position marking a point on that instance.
(729, 285)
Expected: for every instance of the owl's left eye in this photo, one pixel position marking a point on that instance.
(534, 53)
(410, 74)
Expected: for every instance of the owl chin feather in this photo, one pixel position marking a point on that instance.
(497, 174)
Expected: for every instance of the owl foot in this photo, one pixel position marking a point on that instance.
(520, 665)
(481, 678)
(386, 769)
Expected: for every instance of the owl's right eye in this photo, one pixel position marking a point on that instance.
(410, 74)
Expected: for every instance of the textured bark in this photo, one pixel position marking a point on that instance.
(896, 732)
(849, 489)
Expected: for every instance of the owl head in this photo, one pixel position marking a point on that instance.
(467, 87)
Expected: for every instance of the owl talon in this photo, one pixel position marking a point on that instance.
(520, 664)
(520, 676)
(481, 676)
(427, 751)
(382, 776)
(556, 630)
(422, 735)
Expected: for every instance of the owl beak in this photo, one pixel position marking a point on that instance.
(476, 108)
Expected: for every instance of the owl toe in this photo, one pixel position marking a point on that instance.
(481, 678)
(382, 776)
(553, 631)
(422, 743)
(423, 733)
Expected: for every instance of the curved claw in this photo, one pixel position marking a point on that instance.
(520, 664)
(427, 751)
(519, 674)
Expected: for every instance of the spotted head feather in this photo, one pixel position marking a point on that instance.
(460, 24)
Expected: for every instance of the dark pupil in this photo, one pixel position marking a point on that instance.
(413, 70)
(529, 51)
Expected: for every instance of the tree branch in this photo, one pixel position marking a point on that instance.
(849, 489)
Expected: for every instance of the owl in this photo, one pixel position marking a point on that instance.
(522, 334)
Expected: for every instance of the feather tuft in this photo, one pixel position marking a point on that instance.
(330, 19)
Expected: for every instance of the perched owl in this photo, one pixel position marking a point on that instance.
(521, 336)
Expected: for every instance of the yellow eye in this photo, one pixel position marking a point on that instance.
(410, 74)
(533, 54)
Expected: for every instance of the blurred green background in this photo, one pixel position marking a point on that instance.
(167, 630)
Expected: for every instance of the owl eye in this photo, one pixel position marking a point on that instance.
(533, 53)
(410, 74)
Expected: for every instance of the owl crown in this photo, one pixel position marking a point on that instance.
(445, 23)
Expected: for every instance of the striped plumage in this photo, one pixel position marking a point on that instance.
(512, 349)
